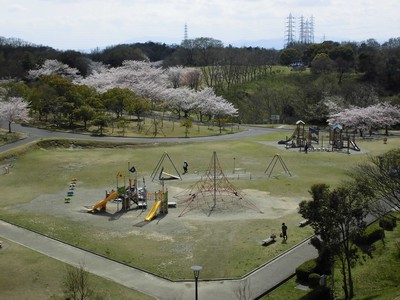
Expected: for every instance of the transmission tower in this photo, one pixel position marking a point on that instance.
(302, 30)
(306, 30)
(311, 30)
(185, 36)
(290, 30)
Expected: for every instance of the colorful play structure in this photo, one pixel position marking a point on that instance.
(160, 204)
(131, 194)
(127, 195)
(70, 192)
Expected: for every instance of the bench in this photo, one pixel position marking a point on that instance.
(171, 204)
(304, 223)
(268, 241)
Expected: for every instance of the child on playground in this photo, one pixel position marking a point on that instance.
(185, 167)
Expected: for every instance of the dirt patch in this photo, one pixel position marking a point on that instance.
(254, 205)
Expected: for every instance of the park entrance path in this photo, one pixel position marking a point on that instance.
(259, 281)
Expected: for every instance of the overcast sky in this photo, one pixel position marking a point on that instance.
(87, 24)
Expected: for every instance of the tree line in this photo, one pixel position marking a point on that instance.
(359, 74)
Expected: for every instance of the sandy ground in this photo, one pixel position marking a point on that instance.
(253, 204)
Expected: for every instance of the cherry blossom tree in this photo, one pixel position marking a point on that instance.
(180, 100)
(54, 67)
(15, 109)
(175, 76)
(211, 105)
(191, 77)
(150, 81)
(146, 80)
(381, 115)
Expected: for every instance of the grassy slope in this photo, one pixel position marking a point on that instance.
(27, 274)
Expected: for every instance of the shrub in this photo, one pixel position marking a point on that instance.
(313, 280)
(305, 269)
(318, 293)
(371, 234)
(387, 223)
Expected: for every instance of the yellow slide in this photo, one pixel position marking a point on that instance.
(153, 211)
(103, 202)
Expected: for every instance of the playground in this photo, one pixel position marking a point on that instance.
(225, 238)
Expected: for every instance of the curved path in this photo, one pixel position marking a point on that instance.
(259, 281)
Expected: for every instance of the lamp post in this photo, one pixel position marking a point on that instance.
(196, 272)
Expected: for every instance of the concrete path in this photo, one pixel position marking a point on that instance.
(259, 281)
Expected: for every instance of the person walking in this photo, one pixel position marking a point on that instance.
(284, 231)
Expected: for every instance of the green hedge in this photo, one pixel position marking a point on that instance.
(371, 234)
(305, 269)
(313, 280)
(320, 292)
(387, 223)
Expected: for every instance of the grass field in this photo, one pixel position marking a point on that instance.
(228, 243)
(160, 127)
(30, 275)
(6, 137)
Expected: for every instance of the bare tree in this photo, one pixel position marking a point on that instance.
(76, 283)
(380, 177)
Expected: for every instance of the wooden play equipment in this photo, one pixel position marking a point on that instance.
(213, 191)
(340, 140)
(302, 137)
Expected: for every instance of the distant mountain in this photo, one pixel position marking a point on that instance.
(267, 44)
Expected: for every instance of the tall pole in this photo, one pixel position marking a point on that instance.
(215, 179)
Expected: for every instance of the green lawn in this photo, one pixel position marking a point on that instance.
(42, 170)
(27, 274)
(6, 138)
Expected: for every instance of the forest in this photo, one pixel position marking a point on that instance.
(252, 84)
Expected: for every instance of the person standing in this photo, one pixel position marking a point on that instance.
(185, 167)
(284, 231)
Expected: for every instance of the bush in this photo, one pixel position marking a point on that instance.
(313, 280)
(305, 269)
(318, 293)
(387, 223)
(371, 234)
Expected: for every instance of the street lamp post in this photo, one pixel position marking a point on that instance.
(196, 272)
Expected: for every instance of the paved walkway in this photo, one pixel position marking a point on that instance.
(259, 281)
